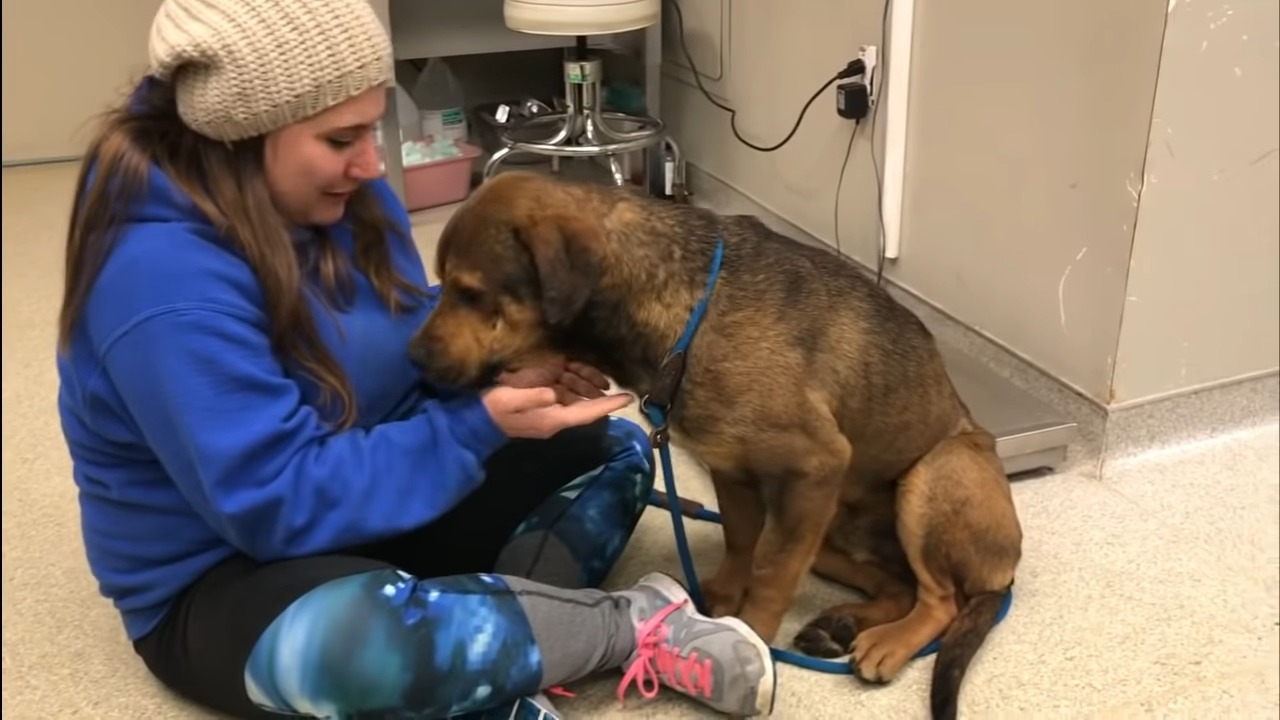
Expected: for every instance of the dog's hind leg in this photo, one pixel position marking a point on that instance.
(742, 515)
(831, 633)
(959, 529)
(865, 576)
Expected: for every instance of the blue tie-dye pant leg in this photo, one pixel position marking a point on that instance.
(385, 644)
(574, 538)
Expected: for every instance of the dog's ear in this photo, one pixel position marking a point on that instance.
(565, 251)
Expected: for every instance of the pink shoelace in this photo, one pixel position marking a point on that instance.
(560, 691)
(658, 662)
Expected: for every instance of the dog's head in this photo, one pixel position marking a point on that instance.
(518, 259)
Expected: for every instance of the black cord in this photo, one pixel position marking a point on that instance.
(876, 92)
(844, 167)
(733, 114)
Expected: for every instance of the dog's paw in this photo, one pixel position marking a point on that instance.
(880, 653)
(724, 599)
(827, 636)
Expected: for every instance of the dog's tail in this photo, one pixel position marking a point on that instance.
(958, 646)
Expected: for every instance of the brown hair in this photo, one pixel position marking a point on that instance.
(228, 186)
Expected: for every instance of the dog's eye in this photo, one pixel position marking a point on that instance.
(470, 296)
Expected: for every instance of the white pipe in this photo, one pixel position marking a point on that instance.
(898, 57)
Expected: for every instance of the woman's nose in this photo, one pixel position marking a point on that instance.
(366, 164)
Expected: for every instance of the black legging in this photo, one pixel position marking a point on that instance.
(211, 635)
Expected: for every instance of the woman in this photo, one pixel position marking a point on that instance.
(288, 520)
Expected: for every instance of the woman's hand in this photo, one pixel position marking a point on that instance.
(538, 401)
(572, 381)
(537, 413)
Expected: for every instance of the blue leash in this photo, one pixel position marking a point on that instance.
(659, 437)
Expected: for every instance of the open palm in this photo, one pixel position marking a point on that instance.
(572, 381)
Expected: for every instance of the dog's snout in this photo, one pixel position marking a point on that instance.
(489, 374)
(418, 353)
(430, 367)
(433, 364)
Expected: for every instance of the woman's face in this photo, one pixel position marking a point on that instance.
(313, 166)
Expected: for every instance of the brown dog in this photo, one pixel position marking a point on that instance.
(821, 406)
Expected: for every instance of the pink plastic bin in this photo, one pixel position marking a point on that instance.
(439, 182)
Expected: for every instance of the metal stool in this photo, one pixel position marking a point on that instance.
(584, 128)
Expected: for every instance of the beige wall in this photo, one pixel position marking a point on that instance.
(1026, 145)
(64, 62)
(1203, 302)
(1030, 125)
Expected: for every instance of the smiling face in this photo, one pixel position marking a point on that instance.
(512, 269)
(314, 166)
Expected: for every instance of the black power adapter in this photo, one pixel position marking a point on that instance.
(853, 100)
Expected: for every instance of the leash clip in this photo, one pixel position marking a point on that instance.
(659, 437)
(658, 418)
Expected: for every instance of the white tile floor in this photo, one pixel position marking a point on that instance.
(1149, 593)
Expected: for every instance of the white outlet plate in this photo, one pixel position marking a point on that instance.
(870, 56)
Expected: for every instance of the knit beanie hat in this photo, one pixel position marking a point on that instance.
(243, 68)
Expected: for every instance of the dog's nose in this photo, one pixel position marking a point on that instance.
(489, 375)
(429, 365)
(418, 354)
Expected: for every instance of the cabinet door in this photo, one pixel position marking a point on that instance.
(65, 61)
(706, 35)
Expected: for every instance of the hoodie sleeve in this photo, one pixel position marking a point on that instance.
(260, 465)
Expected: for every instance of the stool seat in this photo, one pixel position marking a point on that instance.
(580, 17)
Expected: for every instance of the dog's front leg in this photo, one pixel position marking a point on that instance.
(800, 509)
(742, 518)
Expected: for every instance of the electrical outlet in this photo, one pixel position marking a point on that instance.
(870, 55)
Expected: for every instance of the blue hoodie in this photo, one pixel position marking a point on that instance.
(191, 442)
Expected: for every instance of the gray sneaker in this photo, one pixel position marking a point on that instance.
(720, 662)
